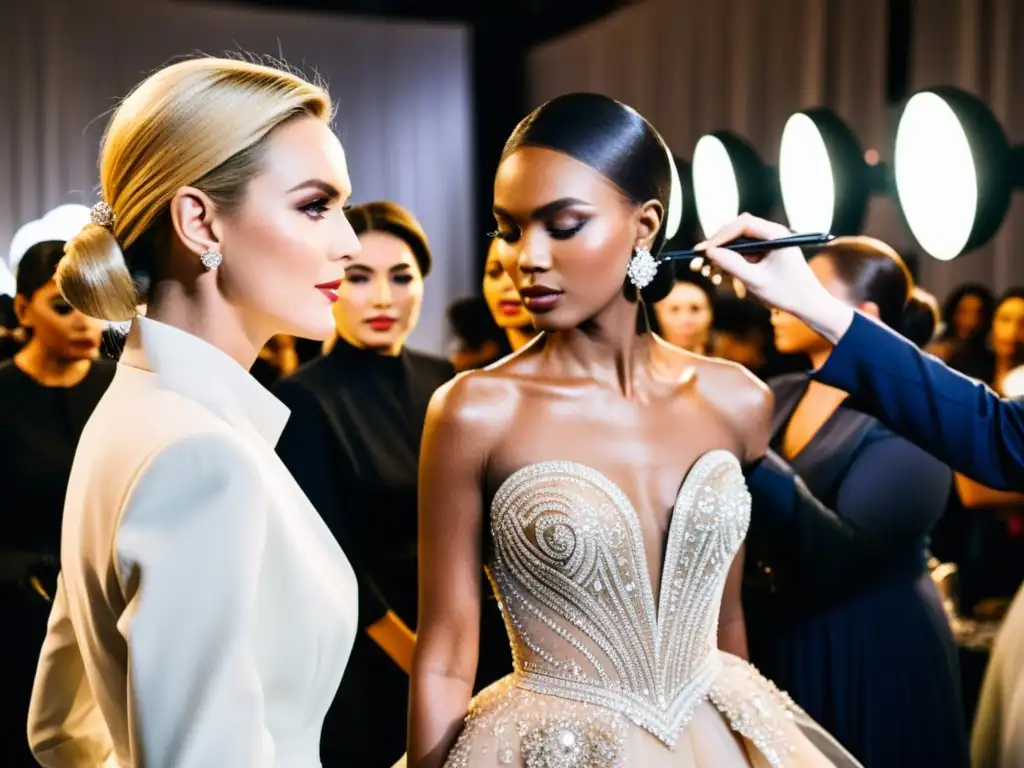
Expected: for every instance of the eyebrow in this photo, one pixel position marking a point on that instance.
(328, 189)
(547, 210)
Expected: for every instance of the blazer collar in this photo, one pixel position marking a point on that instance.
(200, 371)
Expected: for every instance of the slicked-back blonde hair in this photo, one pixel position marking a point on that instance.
(201, 122)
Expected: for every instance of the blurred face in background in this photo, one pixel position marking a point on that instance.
(501, 296)
(65, 333)
(791, 335)
(685, 317)
(380, 298)
(969, 316)
(1008, 329)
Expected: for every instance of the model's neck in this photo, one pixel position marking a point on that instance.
(204, 314)
(606, 348)
(49, 369)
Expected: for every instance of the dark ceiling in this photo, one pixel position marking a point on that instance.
(529, 21)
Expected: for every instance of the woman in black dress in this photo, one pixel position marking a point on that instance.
(47, 393)
(352, 443)
(841, 610)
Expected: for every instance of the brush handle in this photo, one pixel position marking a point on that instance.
(746, 245)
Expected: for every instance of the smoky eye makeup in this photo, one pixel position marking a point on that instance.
(566, 227)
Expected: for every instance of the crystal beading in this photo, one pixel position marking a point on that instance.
(596, 653)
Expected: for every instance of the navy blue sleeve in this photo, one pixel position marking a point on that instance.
(891, 496)
(956, 419)
(307, 448)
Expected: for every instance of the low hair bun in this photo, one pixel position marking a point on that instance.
(94, 278)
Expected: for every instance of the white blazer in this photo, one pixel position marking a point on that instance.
(205, 612)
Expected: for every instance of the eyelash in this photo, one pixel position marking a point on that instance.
(357, 279)
(557, 234)
(319, 206)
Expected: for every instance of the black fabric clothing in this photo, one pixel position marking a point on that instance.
(841, 610)
(352, 443)
(39, 431)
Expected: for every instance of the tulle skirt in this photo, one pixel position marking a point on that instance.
(743, 721)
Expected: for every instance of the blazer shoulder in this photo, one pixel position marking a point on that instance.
(128, 432)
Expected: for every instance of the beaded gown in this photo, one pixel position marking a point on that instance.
(607, 671)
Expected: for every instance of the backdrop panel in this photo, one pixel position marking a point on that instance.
(744, 65)
(403, 94)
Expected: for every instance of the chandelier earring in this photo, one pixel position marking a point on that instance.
(210, 259)
(642, 268)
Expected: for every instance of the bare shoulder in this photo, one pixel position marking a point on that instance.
(744, 400)
(473, 409)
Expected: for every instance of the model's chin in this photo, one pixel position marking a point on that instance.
(549, 322)
(314, 327)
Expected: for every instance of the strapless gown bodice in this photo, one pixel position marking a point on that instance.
(604, 658)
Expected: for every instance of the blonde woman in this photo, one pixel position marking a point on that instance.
(205, 614)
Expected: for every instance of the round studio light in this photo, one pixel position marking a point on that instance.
(728, 178)
(65, 221)
(60, 223)
(684, 234)
(823, 176)
(28, 234)
(954, 171)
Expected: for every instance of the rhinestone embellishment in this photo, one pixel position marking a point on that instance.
(102, 215)
(211, 259)
(642, 268)
(598, 651)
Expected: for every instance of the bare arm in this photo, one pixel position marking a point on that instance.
(394, 638)
(457, 438)
(732, 629)
(974, 495)
(751, 415)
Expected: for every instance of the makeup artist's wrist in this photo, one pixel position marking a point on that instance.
(827, 315)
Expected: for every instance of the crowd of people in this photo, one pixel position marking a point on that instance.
(626, 510)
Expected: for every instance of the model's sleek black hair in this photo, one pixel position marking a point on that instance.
(617, 142)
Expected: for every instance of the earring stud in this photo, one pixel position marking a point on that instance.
(642, 268)
(210, 259)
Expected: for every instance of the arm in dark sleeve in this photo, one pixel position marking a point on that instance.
(959, 421)
(891, 497)
(307, 448)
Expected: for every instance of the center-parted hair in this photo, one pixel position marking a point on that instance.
(201, 122)
(392, 219)
(617, 142)
(872, 272)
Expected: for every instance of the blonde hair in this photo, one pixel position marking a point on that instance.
(200, 122)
